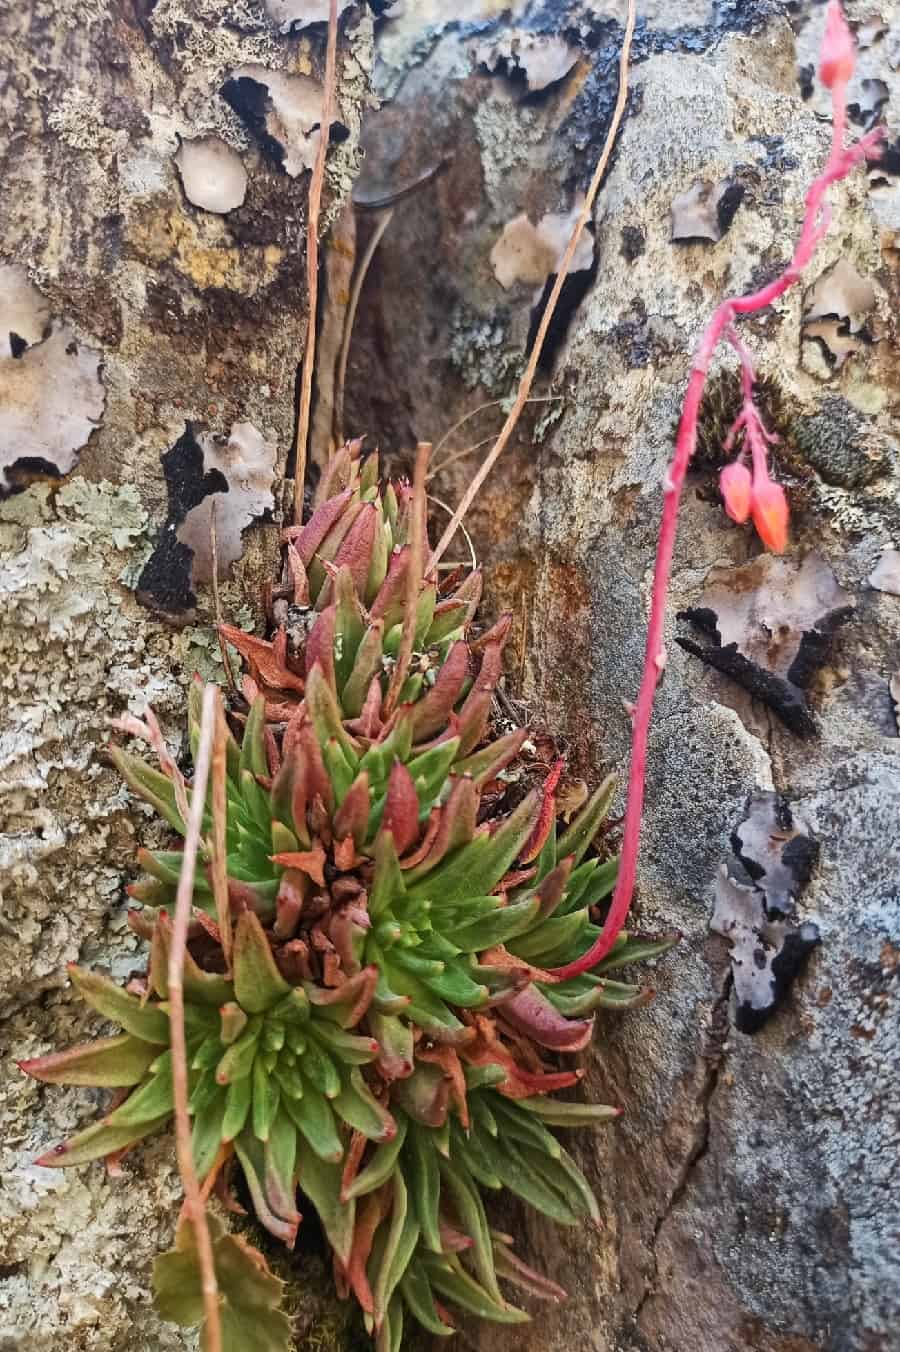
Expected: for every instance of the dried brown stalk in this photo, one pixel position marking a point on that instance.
(531, 369)
(194, 1209)
(312, 264)
(375, 239)
(413, 576)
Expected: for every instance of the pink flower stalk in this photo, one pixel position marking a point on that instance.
(768, 509)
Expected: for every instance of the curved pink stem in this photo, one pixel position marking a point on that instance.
(839, 164)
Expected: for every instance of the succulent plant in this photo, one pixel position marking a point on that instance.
(379, 1034)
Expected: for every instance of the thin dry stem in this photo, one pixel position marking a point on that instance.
(531, 369)
(473, 557)
(413, 577)
(312, 264)
(194, 1209)
(356, 291)
(473, 413)
(218, 847)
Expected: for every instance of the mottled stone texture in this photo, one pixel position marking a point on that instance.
(748, 1195)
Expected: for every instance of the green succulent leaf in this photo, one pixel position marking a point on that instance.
(258, 984)
(108, 1063)
(145, 1021)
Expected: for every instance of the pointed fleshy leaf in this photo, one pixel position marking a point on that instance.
(358, 1107)
(367, 664)
(380, 1167)
(253, 745)
(355, 553)
(307, 541)
(107, 1063)
(486, 764)
(388, 887)
(152, 785)
(479, 866)
(145, 1021)
(432, 711)
(97, 1141)
(320, 648)
(258, 984)
(325, 714)
(416, 1291)
(313, 1117)
(577, 839)
(401, 808)
(322, 1184)
(557, 1113)
(531, 1013)
(251, 1154)
(459, 816)
(462, 1290)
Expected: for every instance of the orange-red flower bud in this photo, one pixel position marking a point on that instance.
(736, 487)
(838, 57)
(769, 506)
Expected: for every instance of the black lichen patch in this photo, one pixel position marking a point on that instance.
(727, 205)
(574, 289)
(634, 338)
(756, 895)
(165, 582)
(785, 695)
(634, 243)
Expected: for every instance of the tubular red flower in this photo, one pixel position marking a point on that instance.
(736, 486)
(770, 514)
(838, 56)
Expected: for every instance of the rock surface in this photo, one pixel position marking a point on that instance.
(748, 1195)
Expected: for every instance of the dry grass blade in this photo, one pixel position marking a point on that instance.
(358, 281)
(301, 436)
(413, 577)
(531, 369)
(194, 1209)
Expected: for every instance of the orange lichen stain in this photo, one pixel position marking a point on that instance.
(159, 234)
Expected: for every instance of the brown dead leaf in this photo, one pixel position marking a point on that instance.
(532, 253)
(705, 211)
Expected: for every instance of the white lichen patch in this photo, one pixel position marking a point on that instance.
(246, 460)
(293, 114)
(212, 174)
(24, 313)
(290, 14)
(51, 400)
